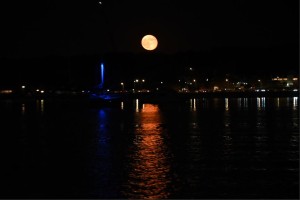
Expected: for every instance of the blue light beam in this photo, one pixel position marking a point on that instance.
(101, 85)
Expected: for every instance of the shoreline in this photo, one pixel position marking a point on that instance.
(155, 95)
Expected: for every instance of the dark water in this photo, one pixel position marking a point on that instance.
(201, 148)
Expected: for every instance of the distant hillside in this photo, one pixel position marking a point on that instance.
(81, 70)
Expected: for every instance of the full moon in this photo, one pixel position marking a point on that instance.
(149, 42)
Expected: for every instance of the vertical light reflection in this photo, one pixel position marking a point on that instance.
(194, 105)
(263, 102)
(102, 126)
(23, 108)
(203, 102)
(287, 102)
(191, 104)
(136, 105)
(103, 166)
(122, 105)
(295, 103)
(239, 103)
(258, 103)
(42, 106)
(148, 163)
(277, 102)
(245, 102)
(227, 145)
(226, 104)
(226, 114)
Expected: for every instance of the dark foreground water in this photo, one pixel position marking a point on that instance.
(201, 148)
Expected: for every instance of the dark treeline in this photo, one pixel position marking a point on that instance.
(82, 71)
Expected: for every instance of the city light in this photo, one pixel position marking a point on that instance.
(6, 91)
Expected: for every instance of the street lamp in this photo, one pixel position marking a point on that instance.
(122, 84)
(142, 86)
(134, 83)
(260, 85)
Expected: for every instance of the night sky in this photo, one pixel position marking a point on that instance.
(264, 31)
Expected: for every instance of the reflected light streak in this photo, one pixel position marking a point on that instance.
(103, 160)
(263, 101)
(295, 103)
(277, 102)
(204, 102)
(258, 103)
(194, 105)
(122, 105)
(227, 146)
(103, 136)
(245, 102)
(137, 105)
(239, 102)
(23, 108)
(42, 106)
(148, 166)
(226, 114)
(226, 104)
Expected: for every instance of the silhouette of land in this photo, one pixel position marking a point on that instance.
(80, 71)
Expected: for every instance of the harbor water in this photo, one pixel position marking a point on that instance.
(198, 148)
